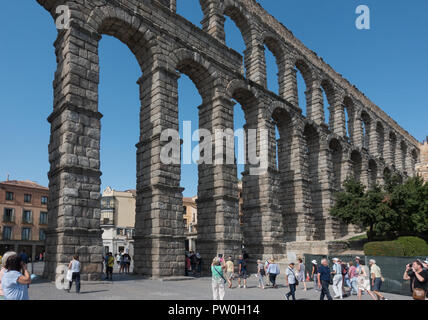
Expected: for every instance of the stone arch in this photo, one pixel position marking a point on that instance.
(373, 172)
(199, 70)
(366, 129)
(357, 163)
(235, 11)
(271, 41)
(380, 138)
(328, 88)
(336, 151)
(403, 157)
(128, 29)
(312, 171)
(393, 149)
(348, 124)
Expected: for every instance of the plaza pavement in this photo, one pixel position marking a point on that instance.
(130, 287)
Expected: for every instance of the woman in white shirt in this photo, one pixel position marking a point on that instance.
(74, 267)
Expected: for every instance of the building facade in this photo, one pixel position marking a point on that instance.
(118, 220)
(24, 210)
(190, 220)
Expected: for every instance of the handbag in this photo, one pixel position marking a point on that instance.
(418, 293)
(69, 275)
(295, 278)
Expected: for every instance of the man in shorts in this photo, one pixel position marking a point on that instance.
(230, 271)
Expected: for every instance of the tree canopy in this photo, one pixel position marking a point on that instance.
(396, 209)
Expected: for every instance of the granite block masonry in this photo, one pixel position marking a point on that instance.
(287, 204)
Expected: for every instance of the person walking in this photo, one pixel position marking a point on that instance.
(199, 262)
(267, 278)
(377, 279)
(418, 276)
(364, 280)
(261, 272)
(24, 256)
(74, 266)
(324, 276)
(337, 279)
(273, 271)
(301, 273)
(217, 279)
(109, 266)
(16, 279)
(230, 271)
(3, 269)
(314, 274)
(353, 278)
(242, 269)
(291, 281)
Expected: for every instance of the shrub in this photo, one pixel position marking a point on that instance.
(384, 248)
(413, 246)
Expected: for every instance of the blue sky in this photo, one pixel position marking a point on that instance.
(388, 63)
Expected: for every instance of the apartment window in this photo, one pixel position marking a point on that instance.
(44, 200)
(26, 216)
(9, 196)
(8, 215)
(25, 234)
(43, 218)
(27, 198)
(42, 235)
(7, 233)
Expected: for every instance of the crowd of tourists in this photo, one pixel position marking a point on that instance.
(346, 278)
(193, 264)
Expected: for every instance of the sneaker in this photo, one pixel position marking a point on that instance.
(239, 287)
(245, 287)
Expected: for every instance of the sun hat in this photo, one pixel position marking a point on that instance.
(314, 261)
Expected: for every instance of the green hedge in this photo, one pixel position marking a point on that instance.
(413, 246)
(402, 247)
(384, 248)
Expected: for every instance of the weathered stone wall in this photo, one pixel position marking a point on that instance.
(422, 166)
(288, 204)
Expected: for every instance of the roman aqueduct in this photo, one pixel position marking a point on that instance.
(283, 208)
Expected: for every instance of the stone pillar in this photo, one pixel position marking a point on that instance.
(315, 104)
(218, 202)
(255, 63)
(357, 135)
(331, 226)
(299, 225)
(159, 227)
(290, 85)
(387, 155)
(263, 220)
(74, 176)
(213, 21)
(339, 121)
(373, 139)
(365, 171)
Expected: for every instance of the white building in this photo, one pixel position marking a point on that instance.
(118, 220)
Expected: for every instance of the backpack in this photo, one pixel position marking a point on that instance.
(344, 269)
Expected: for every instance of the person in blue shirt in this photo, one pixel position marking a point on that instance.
(273, 271)
(16, 279)
(324, 276)
(24, 256)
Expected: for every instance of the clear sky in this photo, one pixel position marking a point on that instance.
(388, 63)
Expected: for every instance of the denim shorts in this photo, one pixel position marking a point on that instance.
(377, 284)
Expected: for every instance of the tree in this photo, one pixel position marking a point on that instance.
(398, 208)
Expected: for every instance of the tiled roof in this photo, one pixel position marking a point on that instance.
(25, 184)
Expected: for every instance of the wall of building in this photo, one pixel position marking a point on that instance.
(35, 244)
